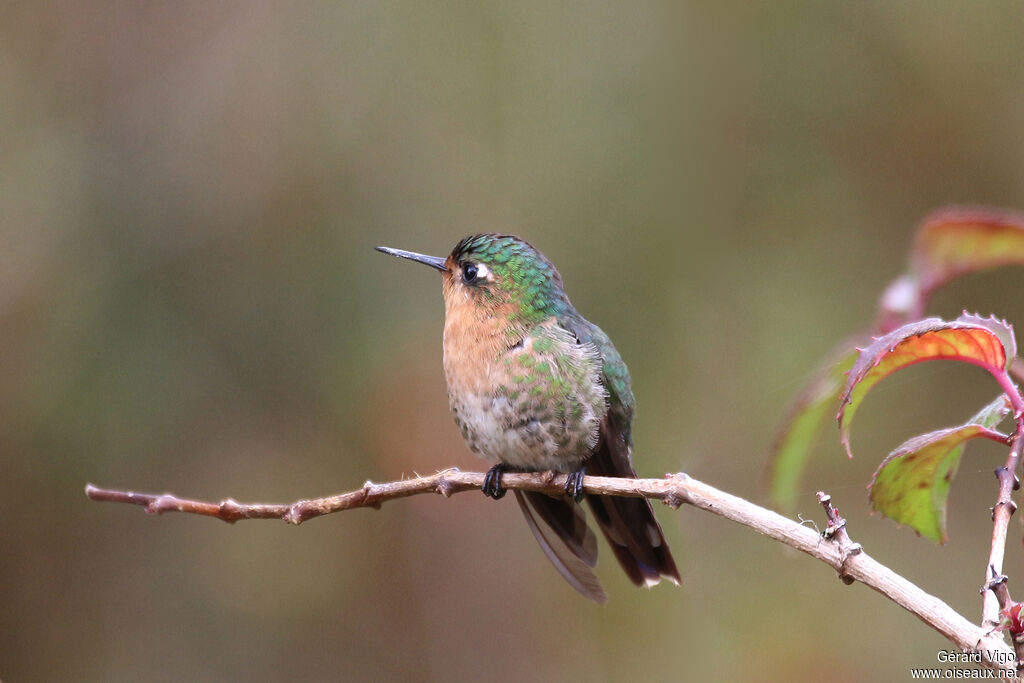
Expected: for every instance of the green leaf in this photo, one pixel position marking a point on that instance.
(911, 486)
(802, 424)
(986, 342)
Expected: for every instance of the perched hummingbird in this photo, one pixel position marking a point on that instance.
(536, 386)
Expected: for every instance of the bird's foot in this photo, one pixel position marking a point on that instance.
(574, 483)
(492, 487)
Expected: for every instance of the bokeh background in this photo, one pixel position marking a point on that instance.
(189, 302)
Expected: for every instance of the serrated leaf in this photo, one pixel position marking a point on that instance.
(1000, 328)
(802, 424)
(969, 339)
(958, 240)
(911, 486)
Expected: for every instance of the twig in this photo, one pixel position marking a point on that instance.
(1004, 507)
(1001, 513)
(998, 585)
(674, 490)
(837, 533)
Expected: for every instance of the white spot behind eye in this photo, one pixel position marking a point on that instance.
(482, 272)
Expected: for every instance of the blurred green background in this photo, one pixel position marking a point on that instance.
(190, 302)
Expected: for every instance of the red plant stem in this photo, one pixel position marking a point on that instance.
(1012, 393)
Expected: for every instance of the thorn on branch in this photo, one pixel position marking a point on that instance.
(1008, 505)
(997, 584)
(1001, 472)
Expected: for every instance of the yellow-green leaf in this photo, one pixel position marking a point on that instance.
(912, 484)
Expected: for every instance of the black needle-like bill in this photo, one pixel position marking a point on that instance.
(432, 261)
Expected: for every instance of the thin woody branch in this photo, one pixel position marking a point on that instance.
(1001, 513)
(1007, 607)
(833, 548)
(1004, 507)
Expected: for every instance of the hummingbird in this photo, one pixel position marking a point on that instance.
(535, 386)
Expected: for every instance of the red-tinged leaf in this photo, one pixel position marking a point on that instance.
(803, 422)
(911, 485)
(1000, 328)
(986, 342)
(1012, 619)
(958, 240)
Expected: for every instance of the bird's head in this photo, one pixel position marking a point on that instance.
(492, 275)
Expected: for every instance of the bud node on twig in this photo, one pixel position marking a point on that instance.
(445, 487)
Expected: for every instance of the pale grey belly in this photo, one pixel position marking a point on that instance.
(524, 435)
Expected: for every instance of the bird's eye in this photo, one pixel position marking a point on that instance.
(469, 273)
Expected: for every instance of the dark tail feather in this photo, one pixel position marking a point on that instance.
(568, 522)
(629, 523)
(563, 534)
